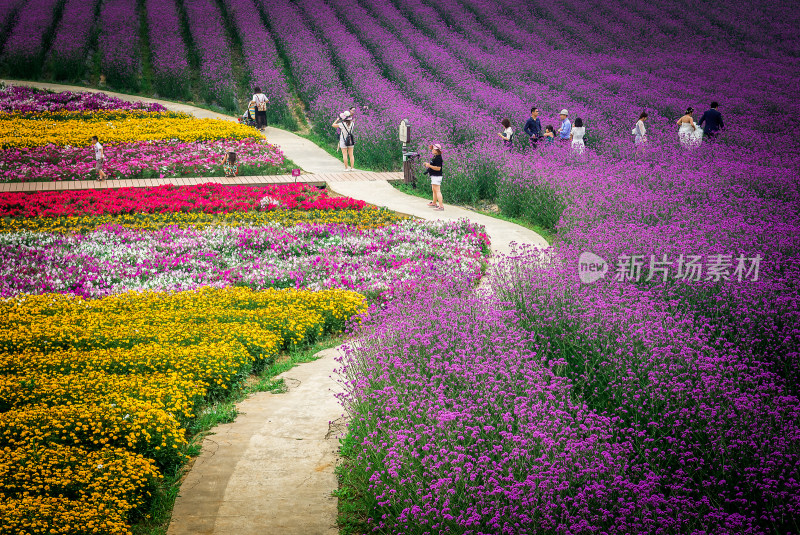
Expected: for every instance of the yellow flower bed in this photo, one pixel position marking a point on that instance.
(95, 394)
(18, 133)
(93, 115)
(86, 490)
(366, 218)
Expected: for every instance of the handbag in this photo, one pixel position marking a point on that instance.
(261, 105)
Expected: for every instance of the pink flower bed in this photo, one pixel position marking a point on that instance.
(143, 159)
(207, 198)
(29, 99)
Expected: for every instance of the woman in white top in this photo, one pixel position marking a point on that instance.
(345, 124)
(260, 101)
(639, 130)
(689, 134)
(576, 136)
(507, 135)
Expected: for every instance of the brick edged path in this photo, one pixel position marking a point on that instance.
(317, 179)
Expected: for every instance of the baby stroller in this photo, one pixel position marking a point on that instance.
(248, 118)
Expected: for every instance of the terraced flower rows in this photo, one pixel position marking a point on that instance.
(126, 311)
(677, 399)
(95, 395)
(46, 137)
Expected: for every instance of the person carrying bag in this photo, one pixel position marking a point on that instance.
(260, 100)
(344, 124)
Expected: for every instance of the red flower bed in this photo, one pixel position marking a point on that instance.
(207, 198)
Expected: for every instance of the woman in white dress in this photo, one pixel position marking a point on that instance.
(689, 133)
(639, 130)
(576, 136)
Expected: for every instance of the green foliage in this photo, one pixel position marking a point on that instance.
(532, 200)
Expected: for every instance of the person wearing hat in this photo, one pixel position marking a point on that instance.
(566, 126)
(344, 124)
(434, 170)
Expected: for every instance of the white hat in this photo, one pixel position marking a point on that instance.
(437, 146)
(344, 115)
(564, 112)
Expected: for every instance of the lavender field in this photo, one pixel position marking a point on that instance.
(663, 397)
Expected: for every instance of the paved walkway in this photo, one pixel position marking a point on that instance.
(272, 469)
(502, 233)
(317, 179)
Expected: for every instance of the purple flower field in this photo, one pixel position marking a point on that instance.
(643, 402)
(67, 55)
(118, 43)
(171, 73)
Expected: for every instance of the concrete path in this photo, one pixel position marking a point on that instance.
(304, 153)
(272, 470)
(381, 193)
(309, 156)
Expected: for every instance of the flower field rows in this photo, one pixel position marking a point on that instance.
(126, 311)
(119, 36)
(630, 405)
(180, 238)
(45, 137)
(116, 259)
(171, 73)
(27, 100)
(94, 410)
(17, 133)
(207, 198)
(213, 51)
(67, 56)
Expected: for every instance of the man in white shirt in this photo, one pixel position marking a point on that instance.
(99, 159)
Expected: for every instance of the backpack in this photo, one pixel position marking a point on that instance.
(348, 139)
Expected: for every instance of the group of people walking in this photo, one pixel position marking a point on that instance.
(566, 132)
(690, 134)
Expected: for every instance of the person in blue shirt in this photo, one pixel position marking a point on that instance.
(533, 127)
(711, 121)
(566, 126)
